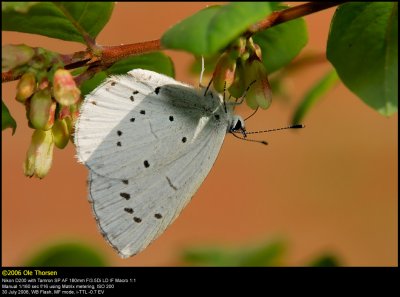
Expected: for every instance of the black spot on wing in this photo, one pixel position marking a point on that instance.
(128, 210)
(132, 120)
(171, 118)
(142, 112)
(137, 220)
(158, 216)
(146, 164)
(125, 195)
(157, 90)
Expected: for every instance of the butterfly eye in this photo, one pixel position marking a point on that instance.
(237, 124)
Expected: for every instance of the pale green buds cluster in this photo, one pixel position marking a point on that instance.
(240, 68)
(51, 109)
(51, 98)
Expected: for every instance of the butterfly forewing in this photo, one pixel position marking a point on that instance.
(165, 119)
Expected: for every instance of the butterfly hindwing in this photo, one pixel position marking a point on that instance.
(132, 213)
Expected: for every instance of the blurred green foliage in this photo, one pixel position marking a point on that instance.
(66, 254)
(272, 253)
(7, 121)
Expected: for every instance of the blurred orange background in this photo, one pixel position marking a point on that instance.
(329, 187)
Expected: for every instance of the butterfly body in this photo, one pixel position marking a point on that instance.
(149, 142)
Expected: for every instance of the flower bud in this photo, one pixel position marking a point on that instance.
(15, 55)
(238, 48)
(64, 88)
(70, 125)
(42, 109)
(26, 86)
(224, 72)
(257, 51)
(27, 111)
(259, 93)
(40, 154)
(74, 110)
(44, 83)
(70, 115)
(60, 133)
(64, 112)
(238, 86)
(254, 49)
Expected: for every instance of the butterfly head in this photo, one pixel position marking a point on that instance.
(237, 125)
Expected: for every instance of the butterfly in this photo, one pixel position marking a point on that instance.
(149, 142)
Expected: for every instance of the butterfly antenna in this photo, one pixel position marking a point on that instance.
(245, 93)
(202, 71)
(277, 129)
(208, 87)
(224, 98)
(251, 140)
(254, 112)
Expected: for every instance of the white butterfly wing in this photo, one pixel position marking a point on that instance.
(144, 171)
(143, 120)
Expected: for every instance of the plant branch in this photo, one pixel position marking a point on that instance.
(9, 76)
(289, 14)
(103, 56)
(112, 54)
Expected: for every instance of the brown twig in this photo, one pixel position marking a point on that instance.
(289, 14)
(112, 54)
(9, 76)
(106, 55)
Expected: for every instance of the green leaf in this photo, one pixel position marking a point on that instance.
(314, 94)
(209, 64)
(89, 85)
(7, 121)
(269, 254)
(282, 43)
(156, 61)
(325, 261)
(208, 257)
(213, 28)
(63, 20)
(362, 46)
(66, 255)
